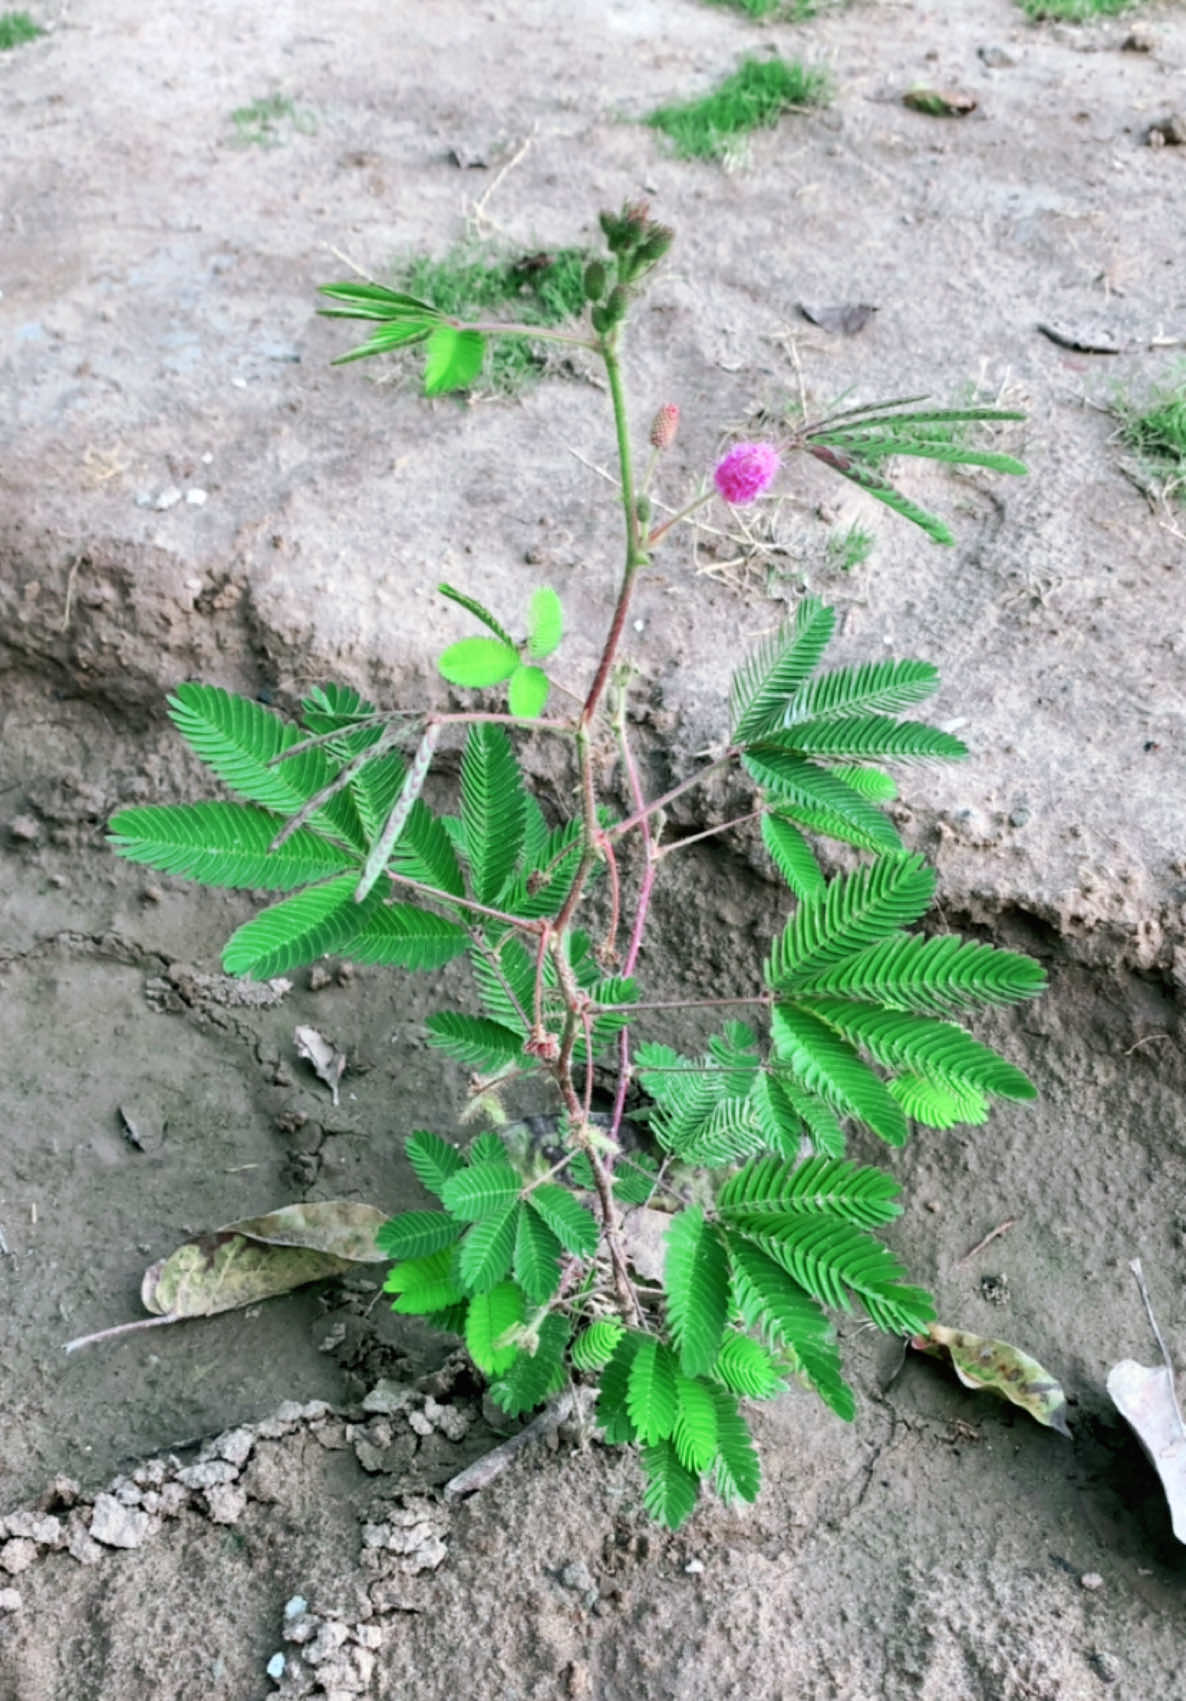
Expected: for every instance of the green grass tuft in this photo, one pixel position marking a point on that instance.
(785, 11)
(846, 550)
(1074, 11)
(753, 98)
(16, 28)
(1157, 435)
(474, 280)
(259, 124)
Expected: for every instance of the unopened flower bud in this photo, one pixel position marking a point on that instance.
(657, 243)
(615, 307)
(596, 279)
(746, 471)
(664, 426)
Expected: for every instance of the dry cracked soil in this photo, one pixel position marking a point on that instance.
(191, 492)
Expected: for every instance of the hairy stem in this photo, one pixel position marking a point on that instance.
(698, 778)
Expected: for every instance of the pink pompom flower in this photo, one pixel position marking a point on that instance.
(746, 471)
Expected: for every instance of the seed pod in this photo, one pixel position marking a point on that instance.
(615, 307)
(596, 279)
(601, 320)
(642, 508)
(664, 426)
(657, 243)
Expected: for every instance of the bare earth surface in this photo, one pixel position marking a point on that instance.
(159, 332)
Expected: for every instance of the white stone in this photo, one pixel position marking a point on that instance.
(168, 498)
(235, 1445)
(208, 1473)
(17, 1555)
(10, 1600)
(226, 1503)
(196, 497)
(116, 1525)
(330, 1637)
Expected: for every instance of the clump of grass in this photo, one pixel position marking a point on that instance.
(1074, 11)
(1156, 433)
(849, 549)
(786, 11)
(259, 123)
(474, 280)
(753, 98)
(16, 28)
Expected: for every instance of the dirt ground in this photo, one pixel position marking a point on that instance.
(159, 334)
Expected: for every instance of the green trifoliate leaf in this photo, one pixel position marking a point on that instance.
(298, 930)
(527, 692)
(487, 1250)
(484, 1189)
(414, 1234)
(434, 1160)
(478, 662)
(546, 627)
(672, 1489)
(223, 844)
(573, 1224)
(696, 1276)
(454, 359)
(488, 1318)
(651, 1393)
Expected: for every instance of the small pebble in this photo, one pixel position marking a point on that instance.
(694, 1567)
(25, 828)
(10, 1600)
(1091, 1580)
(168, 498)
(275, 1667)
(196, 497)
(295, 1606)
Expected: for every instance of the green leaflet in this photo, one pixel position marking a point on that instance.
(492, 809)
(854, 911)
(938, 1106)
(942, 975)
(865, 477)
(454, 359)
(696, 1276)
(671, 1489)
(478, 662)
(573, 1224)
(594, 1349)
(300, 929)
(222, 844)
(770, 1300)
(488, 1317)
(612, 1410)
(434, 1160)
(534, 1376)
(479, 611)
(939, 1051)
(738, 1475)
(542, 886)
(816, 819)
(505, 978)
(487, 1148)
(767, 679)
(782, 1127)
(652, 1390)
(792, 856)
(546, 625)
(536, 1257)
(864, 1196)
(238, 740)
(803, 784)
(414, 1234)
(426, 1284)
(857, 737)
(423, 852)
(746, 1367)
(828, 1257)
(695, 1432)
(409, 937)
(375, 301)
(828, 1064)
(482, 1189)
(527, 692)
(885, 687)
(487, 1250)
(474, 1041)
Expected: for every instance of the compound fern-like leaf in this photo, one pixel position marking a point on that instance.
(433, 1160)
(423, 852)
(535, 1375)
(746, 1367)
(803, 784)
(885, 687)
(770, 1300)
(936, 1106)
(738, 1475)
(474, 1041)
(483, 1189)
(862, 1195)
(594, 1349)
(858, 737)
(696, 1277)
(488, 1317)
(829, 1257)
(536, 1261)
(940, 1051)
(487, 1250)
(425, 1285)
(651, 1391)
(573, 1224)
(612, 1410)
(793, 857)
(408, 937)
(414, 1234)
(695, 1432)
(940, 975)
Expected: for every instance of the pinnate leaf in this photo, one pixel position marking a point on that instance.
(300, 929)
(671, 1488)
(434, 1160)
(409, 937)
(696, 1276)
(651, 1394)
(695, 1433)
(534, 1376)
(594, 1349)
(746, 1367)
(487, 1250)
(573, 1224)
(536, 1258)
(425, 1284)
(474, 1041)
(488, 1317)
(486, 1188)
(222, 844)
(414, 1234)
(738, 1475)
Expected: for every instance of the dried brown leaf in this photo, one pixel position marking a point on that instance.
(848, 318)
(327, 1062)
(1144, 1397)
(999, 1368)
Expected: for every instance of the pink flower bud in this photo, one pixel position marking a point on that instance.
(746, 471)
(664, 426)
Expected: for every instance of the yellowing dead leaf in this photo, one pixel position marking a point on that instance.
(1000, 1369)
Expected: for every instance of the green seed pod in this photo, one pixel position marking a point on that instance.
(601, 320)
(596, 279)
(643, 509)
(615, 307)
